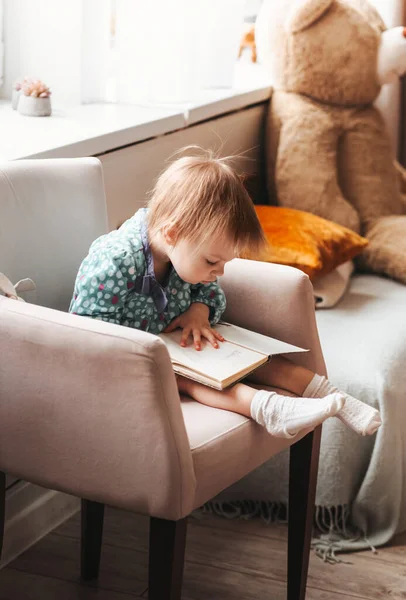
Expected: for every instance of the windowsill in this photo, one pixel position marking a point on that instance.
(93, 129)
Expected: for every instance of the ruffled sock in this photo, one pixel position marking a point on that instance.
(357, 415)
(285, 417)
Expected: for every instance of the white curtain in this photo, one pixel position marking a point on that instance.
(127, 51)
(1, 43)
(389, 101)
(391, 11)
(62, 42)
(166, 51)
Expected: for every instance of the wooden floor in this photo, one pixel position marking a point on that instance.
(226, 560)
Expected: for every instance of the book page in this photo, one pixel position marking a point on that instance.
(218, 363)
(255, 341)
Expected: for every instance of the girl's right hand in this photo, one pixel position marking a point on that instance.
(195, 321)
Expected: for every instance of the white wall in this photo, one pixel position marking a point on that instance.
(130, 173)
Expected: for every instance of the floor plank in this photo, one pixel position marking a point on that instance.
(122, 569)
(17, 585)
(132, 525)
(364, 578)
(209, 583)
(394, 552)
(225, 559)
(121, 528)
(238, 549)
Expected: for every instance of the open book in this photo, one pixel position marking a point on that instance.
(242, 352)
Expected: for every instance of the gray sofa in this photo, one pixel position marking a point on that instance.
(361, 493)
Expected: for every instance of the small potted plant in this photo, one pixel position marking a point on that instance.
(35, 99)
(15, 96)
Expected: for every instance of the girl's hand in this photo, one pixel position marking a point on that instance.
(195, 322)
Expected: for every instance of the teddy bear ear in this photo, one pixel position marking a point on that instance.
(25, 285)
(305, 12)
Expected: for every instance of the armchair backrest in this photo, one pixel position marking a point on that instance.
(51, 210)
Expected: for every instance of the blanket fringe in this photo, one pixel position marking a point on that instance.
(332, 524)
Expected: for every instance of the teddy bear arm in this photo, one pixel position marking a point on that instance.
(367, 174)
(386, 250)
(306, 171)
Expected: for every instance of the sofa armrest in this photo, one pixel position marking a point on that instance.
(92, 408)
(277, 301)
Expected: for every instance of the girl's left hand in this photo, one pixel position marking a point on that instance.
(195, 321)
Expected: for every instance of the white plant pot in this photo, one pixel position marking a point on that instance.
(15, 96)
(34, 107)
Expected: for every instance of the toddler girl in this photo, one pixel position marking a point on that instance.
(159, 271)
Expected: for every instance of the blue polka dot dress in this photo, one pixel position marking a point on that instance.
(116, 283)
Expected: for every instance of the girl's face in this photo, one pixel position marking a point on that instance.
(201, 263)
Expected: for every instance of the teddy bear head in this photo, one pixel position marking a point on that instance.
(325, 49)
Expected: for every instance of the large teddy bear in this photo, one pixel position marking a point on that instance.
(328, 150)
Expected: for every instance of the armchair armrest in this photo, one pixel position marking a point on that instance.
(277, 301)
(92, 408)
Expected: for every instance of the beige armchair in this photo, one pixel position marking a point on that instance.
(93, 409)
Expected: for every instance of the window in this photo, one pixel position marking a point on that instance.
(128, 51)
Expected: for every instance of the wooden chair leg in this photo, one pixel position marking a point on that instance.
(2, 507)
(167, 542)
(91, 539)
(303, 466)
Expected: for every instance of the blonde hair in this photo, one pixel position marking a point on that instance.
(203, 196)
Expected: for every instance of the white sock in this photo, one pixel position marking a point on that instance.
(284, 417)
(357, 415)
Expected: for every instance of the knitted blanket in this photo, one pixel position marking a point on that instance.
(361, 492)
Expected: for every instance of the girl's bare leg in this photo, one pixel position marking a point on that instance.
(267, 408)
(237, 399)
(282, 416)
(284, 374)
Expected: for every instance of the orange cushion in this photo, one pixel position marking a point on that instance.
(305, 241)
